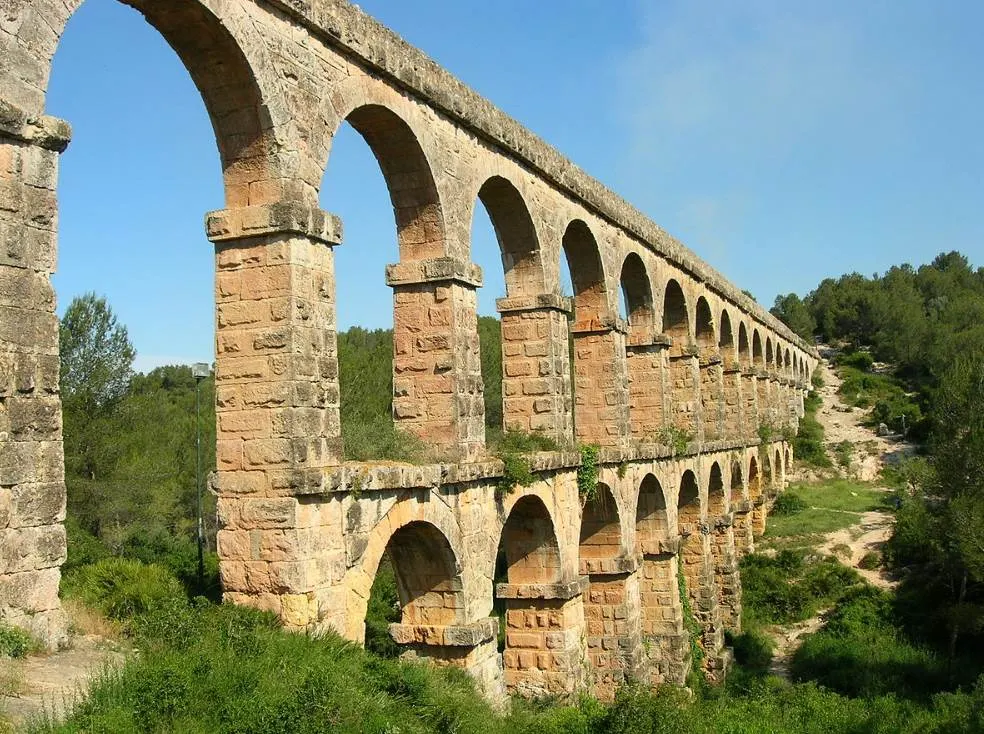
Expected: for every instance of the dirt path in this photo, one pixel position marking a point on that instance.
(871, 452)
(47, 685)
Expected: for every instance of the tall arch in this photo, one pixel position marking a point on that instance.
(704, 324)
(676, 316)
(529, 544)
(587, 273)
(427, 576)
(652, 527)
(409, 180)
(601, 530)
(716, 500)
(758, 359)
(638, 296)
(770, 358)
(516, 235)
(744, 351)
(726, 339)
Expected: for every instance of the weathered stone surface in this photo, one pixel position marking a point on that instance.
(667, 392)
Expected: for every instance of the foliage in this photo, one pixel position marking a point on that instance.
(676, 438)
(831, 505)
(690, 624)
(122, 588)
(793, 312)
(790, 586)
(859, 360)
(788, 503)
(96, 356)
(587, 471)
(15, 642)
(383, 610)
(844, 451)
(808, 443)
(512, 448)
(753, 650)
(870, 561)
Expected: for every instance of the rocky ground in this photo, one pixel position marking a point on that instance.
(46, 685)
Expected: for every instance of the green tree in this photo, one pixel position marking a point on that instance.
(96, 355)
(792, 311)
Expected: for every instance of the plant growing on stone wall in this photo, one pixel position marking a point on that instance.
(788, 434)
(512, 449)
(623, 467)
(690, 625)
(676, 438)
(766, 431)
(587, 472)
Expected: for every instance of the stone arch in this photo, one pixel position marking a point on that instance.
(716, 500)
(428, 577)
(788, 361)
(744, 352)
(587, 273)
(529, 540)
(676, 314)
(704, 325)
(519, 245)
(757, 357)
(780, 362)
(409, 179)
(688, 504)
(754, 479)
(601, 528)
(778, 470)
(652, 522)
(770, 358)
(407, 511)
(637, 295)
(726, 338)
(226, 61)
(737, 482)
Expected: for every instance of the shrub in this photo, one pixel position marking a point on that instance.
(123, 588)
(15, 642)
(844, 451)
(788, 503)
(870, 561)
(860, 360)
(753, 650)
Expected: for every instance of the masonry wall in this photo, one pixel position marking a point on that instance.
(302, 532)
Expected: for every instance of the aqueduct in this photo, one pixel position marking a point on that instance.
(690, 396)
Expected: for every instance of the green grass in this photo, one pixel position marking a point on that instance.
(828, 506)
(16, 643)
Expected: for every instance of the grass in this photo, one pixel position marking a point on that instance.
(16, 643)
(829, 506)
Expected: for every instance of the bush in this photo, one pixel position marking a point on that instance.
(870, 561)
(15, 642)
(860, 360)
(788, 503)
(844, 451)
(753, 650)
(123, 588)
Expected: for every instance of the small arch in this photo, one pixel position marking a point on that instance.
(651, 520)
(601, 531)
(637, 295)
(587, 273)
(737, 484)
(688, 504)
(427, 578)
(780, 363)
(754, 481)
(744, 354)
(769, 354)
(676, 316)
(705, 324)
(788, 361)
(409, 179)
(777, 469)
(516, 234)
(726, 339)
(757, 358)
(715, 492)
(529, 544)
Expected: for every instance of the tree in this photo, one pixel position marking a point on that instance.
(793, 312)
(96, 356)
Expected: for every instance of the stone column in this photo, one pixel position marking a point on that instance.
(734, 403)
(277, 421)
(601, 392)
(744, 536)
(545, 651)
(685, 392)
(759, 513)
(646, 362)
(712, 397)
(751, 415)
(471, 647)
(612, 616)
(536, 378)
(766, 412)
(726, 576)
(699, 574)
(32, 474)
(665, 640)
(437, 367)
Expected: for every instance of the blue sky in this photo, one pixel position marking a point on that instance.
(783, 142)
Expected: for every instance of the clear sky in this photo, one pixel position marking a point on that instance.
(783, 142)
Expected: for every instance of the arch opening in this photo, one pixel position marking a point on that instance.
(652, 524)
(716, 503)
(705, 325)
(601, 532)
(676, 318)
(637, 296)
(586, 272)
